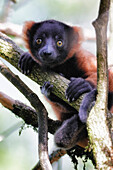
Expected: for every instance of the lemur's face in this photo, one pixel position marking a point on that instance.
(50, 42)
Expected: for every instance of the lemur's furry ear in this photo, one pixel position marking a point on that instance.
(26, 31)
(78, 38)
(79, 33)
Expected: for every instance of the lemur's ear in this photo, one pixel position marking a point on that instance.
(78, 33)
(78, 38)
(26, 32)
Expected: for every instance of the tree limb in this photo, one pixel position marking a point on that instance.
(98, 131)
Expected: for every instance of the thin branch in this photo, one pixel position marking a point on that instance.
(43, 141)
(42, 114)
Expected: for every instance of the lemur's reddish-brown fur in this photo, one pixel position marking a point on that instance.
(86, 62)
(26, 28)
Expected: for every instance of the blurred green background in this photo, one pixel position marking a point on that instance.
(21, 152)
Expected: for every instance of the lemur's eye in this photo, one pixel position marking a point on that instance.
(39, 41)
(59, 43)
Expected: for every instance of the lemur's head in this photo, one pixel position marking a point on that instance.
(51, 42)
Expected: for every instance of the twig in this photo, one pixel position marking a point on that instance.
(43, 141)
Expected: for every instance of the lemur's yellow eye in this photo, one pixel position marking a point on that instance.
(39, 41)
(59, 43)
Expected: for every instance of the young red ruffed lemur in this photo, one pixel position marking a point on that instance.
(56, 46)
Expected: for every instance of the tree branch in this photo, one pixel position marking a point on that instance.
(97, 123)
